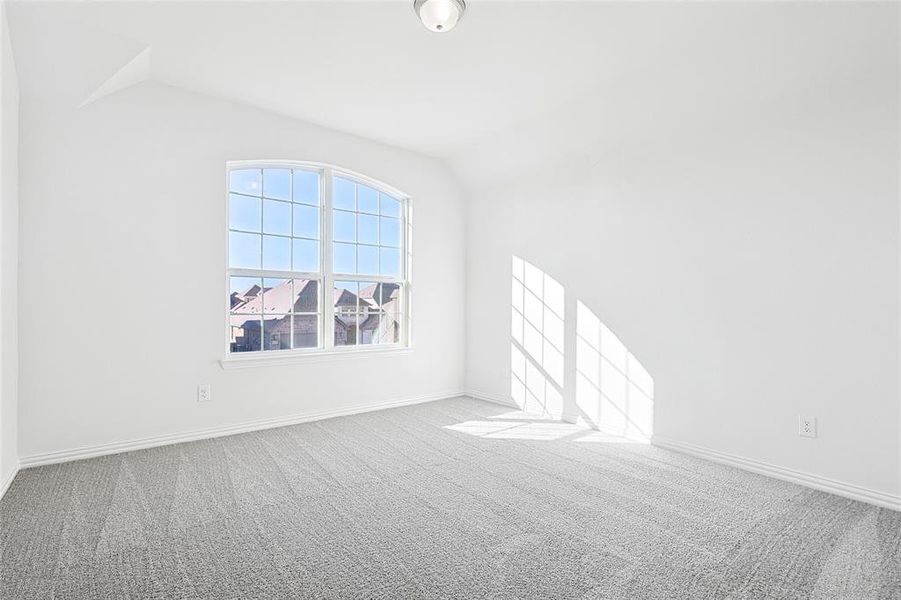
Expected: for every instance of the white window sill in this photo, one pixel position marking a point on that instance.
(275, 357)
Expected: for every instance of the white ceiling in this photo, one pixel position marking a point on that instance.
(371, 69)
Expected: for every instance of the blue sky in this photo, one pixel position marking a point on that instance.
(276, 228)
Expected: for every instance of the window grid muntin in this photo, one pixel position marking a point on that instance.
(268, 286)
(327, 277)
(362, 311)
(388, 260)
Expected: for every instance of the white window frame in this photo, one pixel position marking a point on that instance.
(325, 276)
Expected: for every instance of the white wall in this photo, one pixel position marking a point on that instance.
(732, 214)
(734, 220)
(9, 226)
(122, 268)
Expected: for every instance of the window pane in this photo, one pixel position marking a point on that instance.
(367, 199)
(391, 330)
(277, 332)
(344, 226)
(383, 319)
(368, 260)
(243, 291)
(243, 250)
(367, 313)
(346, 320)
(275, 223)
(367, 229)
(343, 193)
(389, 262)
(369, 329)
(380, 296)
(245, 181)
(392, 308)
(276, 253)
(306, 221)
(389, 206)
(244, 213)
(306, 331)
(244, 333)
(306, 187)
(276, 296)
(276, 217)
(346, 295)
(277, 183)
(379, 328)
(390, 230)
(306, 255)
(346, 328)
(345, 258)
(306, 295)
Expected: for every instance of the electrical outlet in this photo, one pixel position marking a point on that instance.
(203, 392)
(807, 427)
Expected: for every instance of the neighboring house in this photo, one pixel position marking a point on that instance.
(238, 299)
(275, 304)
(372, 316)
(380, 294)
(381, 325)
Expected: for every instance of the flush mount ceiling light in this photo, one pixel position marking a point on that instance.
(439, 15)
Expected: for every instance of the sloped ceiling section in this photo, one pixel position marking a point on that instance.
(367, 68)
(736, 70)
(517, 85)
(65, 61)
(132, 73)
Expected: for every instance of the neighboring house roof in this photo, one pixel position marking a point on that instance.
(380, 294)
(239, 300)
(251, 291)
(278, 299)
(345, 297)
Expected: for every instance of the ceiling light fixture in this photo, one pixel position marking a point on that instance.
(439, 16)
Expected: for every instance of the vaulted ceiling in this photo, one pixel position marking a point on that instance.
(371, 69)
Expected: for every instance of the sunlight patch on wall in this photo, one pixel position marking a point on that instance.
(537, 345)
(614, 392)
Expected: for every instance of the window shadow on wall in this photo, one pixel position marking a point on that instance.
(537, 341)
(613, 392)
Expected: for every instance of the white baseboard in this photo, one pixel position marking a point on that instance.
(4, 485)
(817, 482)
(49, 458)
(491, 398)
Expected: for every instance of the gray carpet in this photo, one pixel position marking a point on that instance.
(449, 499)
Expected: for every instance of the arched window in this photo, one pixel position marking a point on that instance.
(317, 260)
